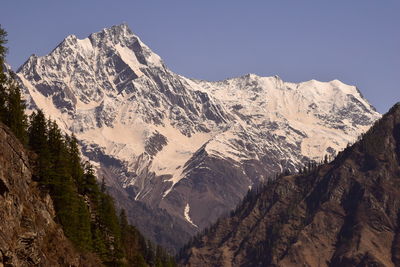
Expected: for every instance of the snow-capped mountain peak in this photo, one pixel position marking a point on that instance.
(174, 142)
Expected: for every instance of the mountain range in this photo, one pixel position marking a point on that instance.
(343, 213)
(175, 152)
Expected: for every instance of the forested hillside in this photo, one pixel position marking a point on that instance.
(342, 213)
(83, 208)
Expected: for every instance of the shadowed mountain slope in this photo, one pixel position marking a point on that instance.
(345, 213)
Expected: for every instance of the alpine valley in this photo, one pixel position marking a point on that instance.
(177, 153)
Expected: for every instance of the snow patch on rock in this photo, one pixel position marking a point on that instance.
(187, 217)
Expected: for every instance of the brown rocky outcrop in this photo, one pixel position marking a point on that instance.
(345, 213)
(29, 236)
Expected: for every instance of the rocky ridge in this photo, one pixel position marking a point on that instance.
(345, 213)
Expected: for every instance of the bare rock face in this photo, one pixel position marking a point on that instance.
(28, 234)
(345, 213)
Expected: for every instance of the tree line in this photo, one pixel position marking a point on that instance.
(83, 208)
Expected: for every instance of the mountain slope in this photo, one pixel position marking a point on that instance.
(345, 213)
(187, 149)
(29, 236)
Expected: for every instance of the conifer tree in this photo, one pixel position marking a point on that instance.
(15, 117)
(109, 222)
(38, 142)
(3, 76)
(12, 107)
(3, 48)
(74, 158)
(90, 186)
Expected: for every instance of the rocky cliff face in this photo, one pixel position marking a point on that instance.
(345, 213)
(28, 234)
(186, 149)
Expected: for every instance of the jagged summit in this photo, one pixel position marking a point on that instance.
(117, 39)
(115, 34)
(118, 34)
(163, 139)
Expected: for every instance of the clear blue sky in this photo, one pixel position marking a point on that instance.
(355, 41)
